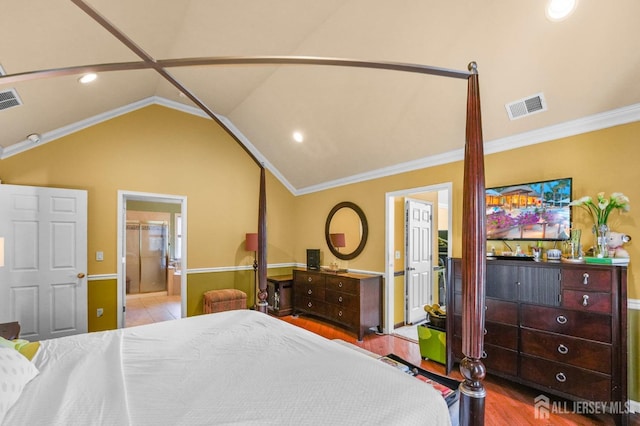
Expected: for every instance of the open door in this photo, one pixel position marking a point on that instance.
(43, 284)
(419, 259)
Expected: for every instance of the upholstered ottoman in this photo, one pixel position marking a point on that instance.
(224, 300)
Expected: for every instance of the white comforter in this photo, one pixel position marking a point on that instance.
(236, 367)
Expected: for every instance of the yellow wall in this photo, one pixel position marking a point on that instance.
(159, 150)
(163, 151)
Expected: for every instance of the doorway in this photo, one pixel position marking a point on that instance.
(162, 218)
(395, 245)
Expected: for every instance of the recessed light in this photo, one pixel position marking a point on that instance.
(87, 78)
(557, 10)
(298, 137)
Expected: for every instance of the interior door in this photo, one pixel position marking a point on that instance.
(419, 259)
(43, 284)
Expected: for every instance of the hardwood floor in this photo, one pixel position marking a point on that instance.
(506, 403)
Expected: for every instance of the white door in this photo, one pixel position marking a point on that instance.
(419, 239)
(43, 284)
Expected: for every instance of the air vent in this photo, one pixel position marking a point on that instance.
(8, 99)
(527, 106)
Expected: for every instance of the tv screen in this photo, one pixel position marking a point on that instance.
(530, 211)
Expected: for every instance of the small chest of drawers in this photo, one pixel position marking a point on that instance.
(352, 301)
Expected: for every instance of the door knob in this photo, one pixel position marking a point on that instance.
(80, 275)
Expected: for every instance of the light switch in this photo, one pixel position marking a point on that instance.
(99, 256)
(398, 254)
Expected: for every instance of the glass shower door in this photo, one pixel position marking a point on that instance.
(146, 257)
(153, 257)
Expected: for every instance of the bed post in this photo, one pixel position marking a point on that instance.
(261, 303)
(472, 391)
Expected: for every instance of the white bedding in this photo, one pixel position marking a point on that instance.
(235, 367)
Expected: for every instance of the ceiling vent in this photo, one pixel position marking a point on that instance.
(8, 99)
(527, 106)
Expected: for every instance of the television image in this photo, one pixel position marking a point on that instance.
(530, 211)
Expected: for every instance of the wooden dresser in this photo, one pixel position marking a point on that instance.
(558, 327)
(352, 301)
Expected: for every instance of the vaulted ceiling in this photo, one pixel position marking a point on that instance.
(357, 122)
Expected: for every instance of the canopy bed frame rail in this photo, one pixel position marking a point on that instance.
(472, 395)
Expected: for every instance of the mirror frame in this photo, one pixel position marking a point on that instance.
(365, 230)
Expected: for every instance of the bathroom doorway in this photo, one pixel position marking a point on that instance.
(394, 295)
(152, 247)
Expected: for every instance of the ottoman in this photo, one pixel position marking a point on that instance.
(224, 300)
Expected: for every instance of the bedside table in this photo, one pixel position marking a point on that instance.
(10, 330)
(279, 298)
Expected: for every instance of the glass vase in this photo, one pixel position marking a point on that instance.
(601, 232)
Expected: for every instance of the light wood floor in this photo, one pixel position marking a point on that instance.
(506, 403)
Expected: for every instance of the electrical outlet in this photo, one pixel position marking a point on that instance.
(99, 312)
(398, 255)
(99, 256)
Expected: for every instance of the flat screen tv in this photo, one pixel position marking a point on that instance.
(530, 211)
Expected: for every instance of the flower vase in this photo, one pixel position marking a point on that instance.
(601, 232)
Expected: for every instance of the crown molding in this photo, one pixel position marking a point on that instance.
(586, 124)
(616, 117)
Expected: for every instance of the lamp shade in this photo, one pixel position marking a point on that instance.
(1, 252)
(338, 240)
(251, 244)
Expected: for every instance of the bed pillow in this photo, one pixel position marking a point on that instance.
(25, 347)
(15, 372)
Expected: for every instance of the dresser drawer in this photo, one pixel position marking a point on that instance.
(563, 321)
(496, 334)
(495, 358)
(342, 315)
(312, 290)
(502, 335)
(586, 279)
(495, 310)
(343, 284)
(309, 278)
(585, 384)
(569, 350)
(501, 311)
(588, 301)
(500, 360)
(345, 300)
(311, 305)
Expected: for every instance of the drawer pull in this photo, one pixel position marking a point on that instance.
(563, 349)
(485, 331)
(561, 319)
(340, 284)
(309, 279)
(585, 278)
(309, 304)
(340, 313)
(561, 377)
(484, 354)
(585, 299)
(340, 299)
(309, 291)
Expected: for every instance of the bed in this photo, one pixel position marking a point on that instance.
(234, 367)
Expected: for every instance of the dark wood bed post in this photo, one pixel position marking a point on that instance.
(261, 304)
(472, 391)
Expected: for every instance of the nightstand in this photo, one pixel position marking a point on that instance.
(10, 330)
(279, 298)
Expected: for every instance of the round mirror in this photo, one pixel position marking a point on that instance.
(346, 230)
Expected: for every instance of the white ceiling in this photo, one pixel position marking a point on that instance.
(358, 122)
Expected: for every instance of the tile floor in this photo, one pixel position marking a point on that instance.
(148, 308)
